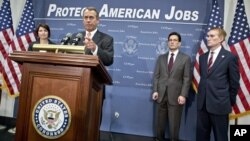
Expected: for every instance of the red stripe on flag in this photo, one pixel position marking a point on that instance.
(195, 82)
(243, 100)
(28, 39)
(245, 52)
(197, 67)
(246, 82)
(236, 109)
(3, 51)
(20, 43)
(12, 45)
(242, 70)
(13, 72)
(6, 79)
(200, 51)
(6, 35)
(5, 41)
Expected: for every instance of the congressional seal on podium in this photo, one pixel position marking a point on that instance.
(51, 117)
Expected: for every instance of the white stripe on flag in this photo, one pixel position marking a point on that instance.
(242, 59)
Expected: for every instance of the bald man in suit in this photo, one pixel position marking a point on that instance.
(96, 42)
(171, 83)
(217, 89)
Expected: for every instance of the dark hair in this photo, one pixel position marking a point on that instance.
(44, 26)
(175, 33)
(91, 9)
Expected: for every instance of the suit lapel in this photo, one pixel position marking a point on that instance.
(96, 37)
(166, 61)
(206, 61)
(177, 61)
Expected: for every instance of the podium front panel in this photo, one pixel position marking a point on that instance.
(75, 87)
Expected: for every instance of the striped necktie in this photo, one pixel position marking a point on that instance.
(210, 61)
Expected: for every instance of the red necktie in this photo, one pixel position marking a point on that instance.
(210, 61)
(171, 62)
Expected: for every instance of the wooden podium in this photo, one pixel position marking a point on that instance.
(60, 97)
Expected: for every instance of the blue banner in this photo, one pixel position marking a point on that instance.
(140, 29)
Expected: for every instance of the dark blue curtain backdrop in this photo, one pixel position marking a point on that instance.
(140, 29)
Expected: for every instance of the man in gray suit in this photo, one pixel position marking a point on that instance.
(171, 83)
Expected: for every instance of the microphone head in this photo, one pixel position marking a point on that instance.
(79, 36)
(69, 35)
(77, 39)
(66, 39)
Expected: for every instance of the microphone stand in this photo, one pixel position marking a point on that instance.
(113, 119)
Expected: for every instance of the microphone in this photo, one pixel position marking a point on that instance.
(76, 40)
(66, 39)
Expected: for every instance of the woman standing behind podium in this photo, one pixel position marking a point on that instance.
(42, 33)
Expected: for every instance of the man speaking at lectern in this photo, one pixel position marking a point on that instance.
(96, 42)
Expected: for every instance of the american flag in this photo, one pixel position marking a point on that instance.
(215, 20)
(23, 37)
(239, 43)
(6, 36)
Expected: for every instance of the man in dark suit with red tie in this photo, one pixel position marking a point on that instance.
(217, 89)
(171, 83)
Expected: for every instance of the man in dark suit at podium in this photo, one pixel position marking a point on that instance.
(96, 42)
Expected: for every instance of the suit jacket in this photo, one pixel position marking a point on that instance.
(176, 82)
(218, 88)
(105, 45)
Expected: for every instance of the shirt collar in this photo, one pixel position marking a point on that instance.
(216, 51)
(92, 33)
(175, 52)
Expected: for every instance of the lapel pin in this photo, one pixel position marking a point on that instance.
(222, 56)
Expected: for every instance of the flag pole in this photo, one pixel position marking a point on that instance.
(0, 95)
(236, 121)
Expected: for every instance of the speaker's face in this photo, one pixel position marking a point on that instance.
(90, 20)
